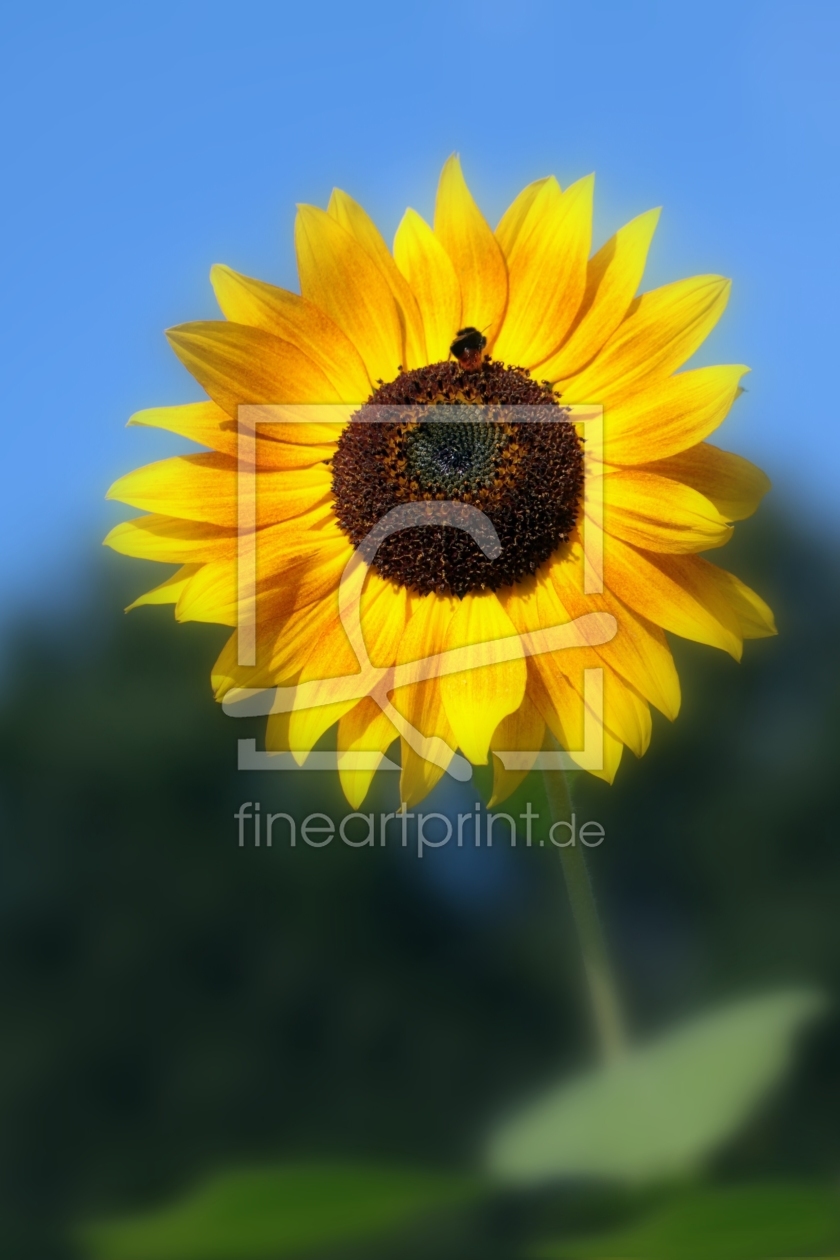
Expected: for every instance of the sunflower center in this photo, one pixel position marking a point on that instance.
(466, 432)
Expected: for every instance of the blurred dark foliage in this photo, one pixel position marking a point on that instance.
(171, 1004)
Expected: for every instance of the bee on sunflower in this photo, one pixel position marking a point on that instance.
(458, 316)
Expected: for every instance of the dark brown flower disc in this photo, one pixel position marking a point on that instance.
(442, 434)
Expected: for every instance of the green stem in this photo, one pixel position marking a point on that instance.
(596, 962)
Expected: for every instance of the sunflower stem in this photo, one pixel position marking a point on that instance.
(603, 992)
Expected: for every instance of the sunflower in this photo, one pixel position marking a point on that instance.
(457, 315)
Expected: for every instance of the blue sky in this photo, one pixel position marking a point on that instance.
(142, 143)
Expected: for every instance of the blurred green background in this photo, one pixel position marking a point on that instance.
(173, 1006)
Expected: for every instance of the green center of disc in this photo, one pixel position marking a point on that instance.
(456, 455)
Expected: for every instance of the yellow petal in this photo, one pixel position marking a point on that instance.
(511, 221)
(286, 456)
(668, 414)
(203, 422)
(292, 639)
(277, 733)
(612, 279)
(752, 615)
(639, 651)
(206, 488)
(364, 729)
(385, 611)
(425, 632)
(208, 424)
(332, 658)
(557, 701)
(169, 592)
(612, 753)
(171, 540)
(421, 703)
(673, 592)
(479, 264)
(340, 277)
(658, 514)
(417, 776)
(359, 224)
(428, 269)
(308, 725)
(733, 484)
(293, 319)
(383, 614)
(522, 731)
(311, 425)
(299, 535)
(476, 700)
(286, 580)
(213, 593)
(626, 715)
(282, 646)
(286, 630)
(237, 364)
(547, 272)
(562, 709)
(662, 329)
(533, 605)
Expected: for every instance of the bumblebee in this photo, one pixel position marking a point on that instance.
(467, 348)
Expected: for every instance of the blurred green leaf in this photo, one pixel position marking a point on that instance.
(665, 1106)
(737, 1223)
(278, 1211)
